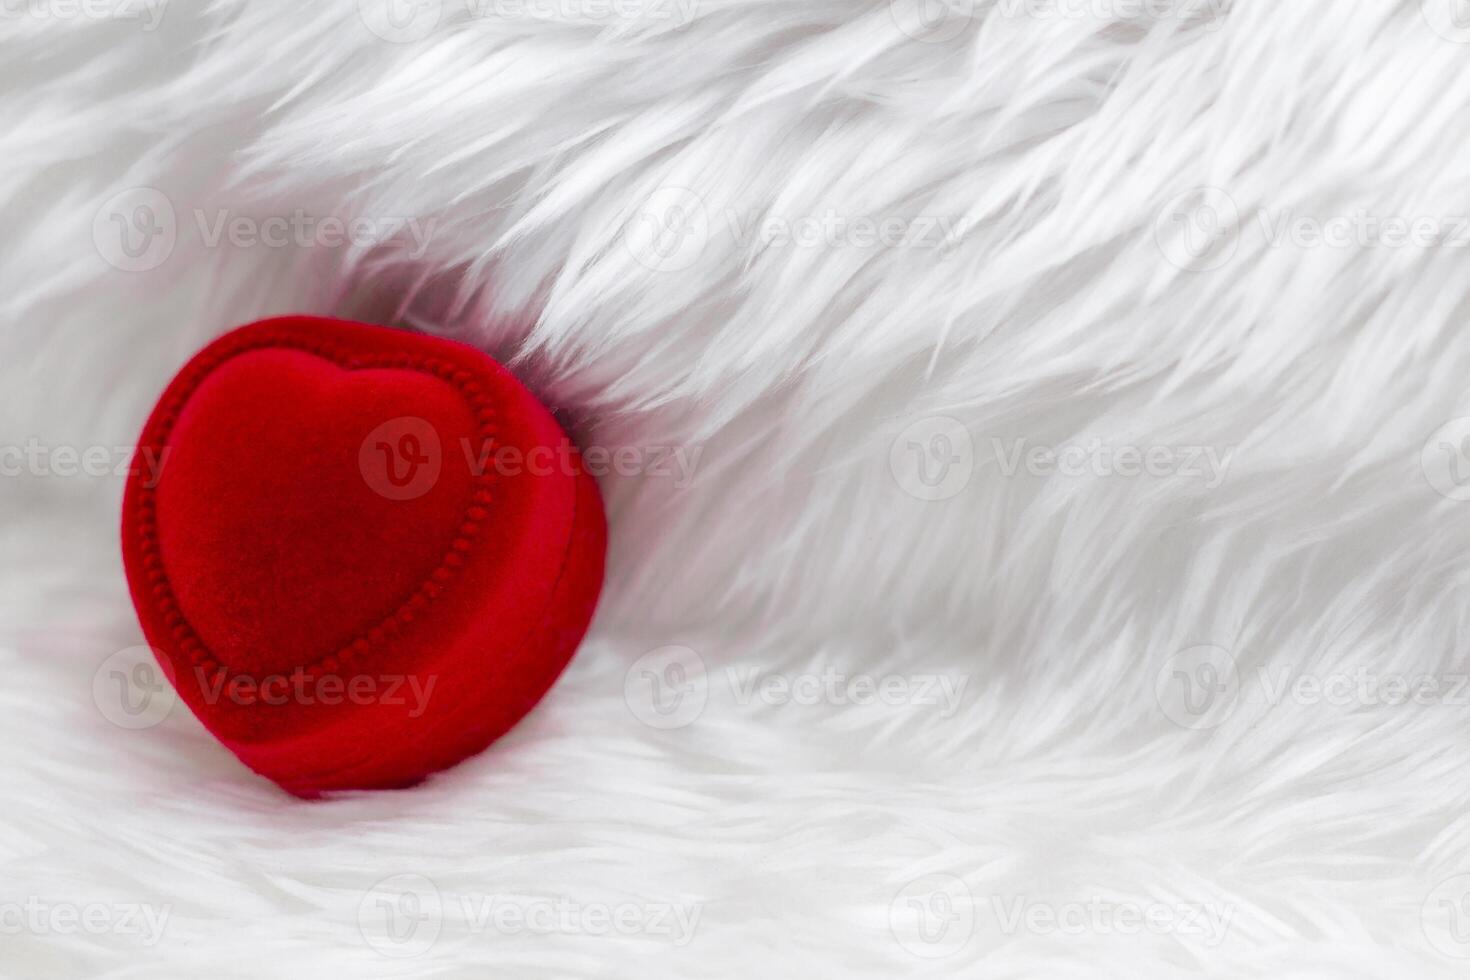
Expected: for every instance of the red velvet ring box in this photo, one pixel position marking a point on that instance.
(366, 554)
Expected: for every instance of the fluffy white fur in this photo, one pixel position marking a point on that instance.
(1055, 148)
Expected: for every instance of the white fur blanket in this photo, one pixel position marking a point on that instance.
(1039, 547)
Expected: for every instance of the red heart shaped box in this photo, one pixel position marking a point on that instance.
(366, 553)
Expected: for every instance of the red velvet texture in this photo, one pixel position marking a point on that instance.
(367, 554)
